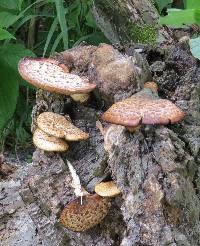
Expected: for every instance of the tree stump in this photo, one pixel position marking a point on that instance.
(156, 168)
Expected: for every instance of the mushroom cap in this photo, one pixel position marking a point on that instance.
(58, 126)
(77, 217)
(107, 189)
(49, 75)
(143, 108)
(48, 143)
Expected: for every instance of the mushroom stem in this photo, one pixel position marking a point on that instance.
(82, 98)
(132, 129)
(76, 184)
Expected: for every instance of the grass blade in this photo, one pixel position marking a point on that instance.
(62, 21)
(50, 34)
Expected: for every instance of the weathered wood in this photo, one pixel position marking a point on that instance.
(126, 21)
(155, 168)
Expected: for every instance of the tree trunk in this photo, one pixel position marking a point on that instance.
(126, 21)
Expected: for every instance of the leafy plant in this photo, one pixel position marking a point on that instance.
(35, 28)
(181, 17)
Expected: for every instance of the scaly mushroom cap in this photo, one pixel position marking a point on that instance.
(107, 189)
(58, 126)
(48, 143)
(48, 75)
(143, 108)
(77, 217)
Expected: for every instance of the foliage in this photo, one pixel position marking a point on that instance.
(195, 47)
(35, 28)
(180, 17)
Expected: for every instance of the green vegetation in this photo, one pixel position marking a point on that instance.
(179, 14)
(35, 28)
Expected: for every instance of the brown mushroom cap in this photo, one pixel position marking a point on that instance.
(58, 126)
(48, 143)
(107, 189)
(77, 217)
(143, 108)
(48, 75)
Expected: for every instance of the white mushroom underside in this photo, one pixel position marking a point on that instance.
(51, 74)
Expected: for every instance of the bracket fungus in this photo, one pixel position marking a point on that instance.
(48, 143)
(78, 218)
(107, 189)
(58, 126)
(144, 107)
(48, 74)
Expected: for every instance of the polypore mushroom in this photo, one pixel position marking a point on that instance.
(107, 189)
(48, 143)
(58, 126)
(143, 107)
(77, 217)
(49, 75)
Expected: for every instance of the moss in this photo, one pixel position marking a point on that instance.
(143, 34)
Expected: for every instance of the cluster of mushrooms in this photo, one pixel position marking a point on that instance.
(54, 130)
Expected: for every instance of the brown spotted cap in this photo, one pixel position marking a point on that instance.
(143, 108)
(107, 189)
(49, 75)
(77, 217)
(48, 143)
(58, 126)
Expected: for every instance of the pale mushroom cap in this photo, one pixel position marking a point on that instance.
(107, 189)
(48, 75)
(138, 110)
(80, 97)
(77, 217)
(58, 126)
(48, 143)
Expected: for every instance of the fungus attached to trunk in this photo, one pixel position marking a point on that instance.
(48, 143)
(49, 75)
(58, 126)
(77, 217)
(107, 189)
(143, 107)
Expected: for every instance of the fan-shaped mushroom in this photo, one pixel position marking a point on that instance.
(49, 75)
(58, 126)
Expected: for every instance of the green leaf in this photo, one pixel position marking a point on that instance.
(9, 85)
(162, 3)
(9, 4)
(195, 47)
(179, 18)
(5, 34)
(7, 19)
(62, 21)
(192, 4)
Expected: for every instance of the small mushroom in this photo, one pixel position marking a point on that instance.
(51, 76)
(78, 218)
(48, 143)
(107, 189)
(58, 126)
(82, 98)
(144, 107)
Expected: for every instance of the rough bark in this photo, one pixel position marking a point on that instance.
(126, 21)
(156, 167)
